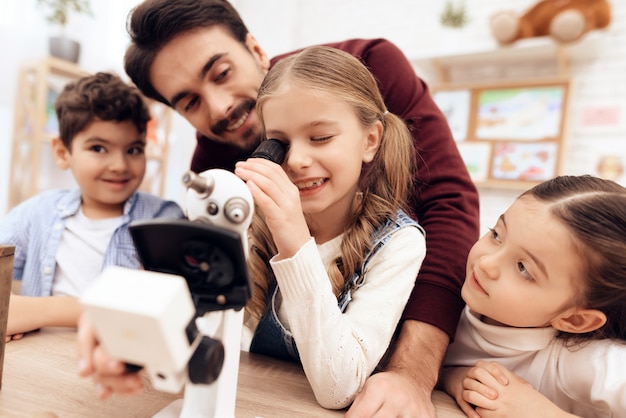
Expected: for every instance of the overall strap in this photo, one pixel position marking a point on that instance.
(379, 239)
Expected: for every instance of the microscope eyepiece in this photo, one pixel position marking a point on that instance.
(270, 149)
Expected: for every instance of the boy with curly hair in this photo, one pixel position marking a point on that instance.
(64, 238)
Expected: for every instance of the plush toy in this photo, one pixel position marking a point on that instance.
(564, 20)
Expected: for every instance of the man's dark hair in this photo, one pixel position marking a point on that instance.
(154, 23)
(102, 96)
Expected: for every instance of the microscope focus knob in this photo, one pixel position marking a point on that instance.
(202, 185)
(206, 362)
(236, 210)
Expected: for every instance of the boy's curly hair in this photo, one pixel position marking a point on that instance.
(102, 96)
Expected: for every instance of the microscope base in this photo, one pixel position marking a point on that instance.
(173, 410)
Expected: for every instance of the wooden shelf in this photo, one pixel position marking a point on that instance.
(506, 185)
(542, 49)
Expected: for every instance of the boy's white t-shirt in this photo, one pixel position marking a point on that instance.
(81, 252)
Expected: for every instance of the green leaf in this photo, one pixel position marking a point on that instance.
(59, 10)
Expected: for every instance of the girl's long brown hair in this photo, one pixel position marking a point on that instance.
(594, 210)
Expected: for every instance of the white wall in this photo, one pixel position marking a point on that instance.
(598, 77)
(24, 36)
(598, 82)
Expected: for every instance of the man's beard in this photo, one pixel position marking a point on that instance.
(251, 140)
(246, 107)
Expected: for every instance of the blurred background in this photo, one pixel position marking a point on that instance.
(450, 44)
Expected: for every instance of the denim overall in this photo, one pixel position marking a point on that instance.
(273, 339)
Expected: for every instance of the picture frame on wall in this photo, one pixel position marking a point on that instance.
(519, 113)
(476, 156)
(513, 132)
(456, 106)
(524, 161)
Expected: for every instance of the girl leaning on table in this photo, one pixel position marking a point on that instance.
(333, 255)
(544, 330)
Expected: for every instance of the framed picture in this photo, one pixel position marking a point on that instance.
(455, 105)
(51, 124)
(524, 161)
(55, 85)
(507, 133)
(527, 113)
(476, 156)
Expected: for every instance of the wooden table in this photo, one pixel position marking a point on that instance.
(7, 254)
(41, 381)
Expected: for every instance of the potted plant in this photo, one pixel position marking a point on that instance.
(58, 14)
(453, 16)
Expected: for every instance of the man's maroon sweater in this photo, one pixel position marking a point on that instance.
(444, 201)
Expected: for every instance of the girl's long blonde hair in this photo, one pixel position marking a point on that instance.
(384, 183)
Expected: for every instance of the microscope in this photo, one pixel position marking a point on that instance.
(181, 318)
